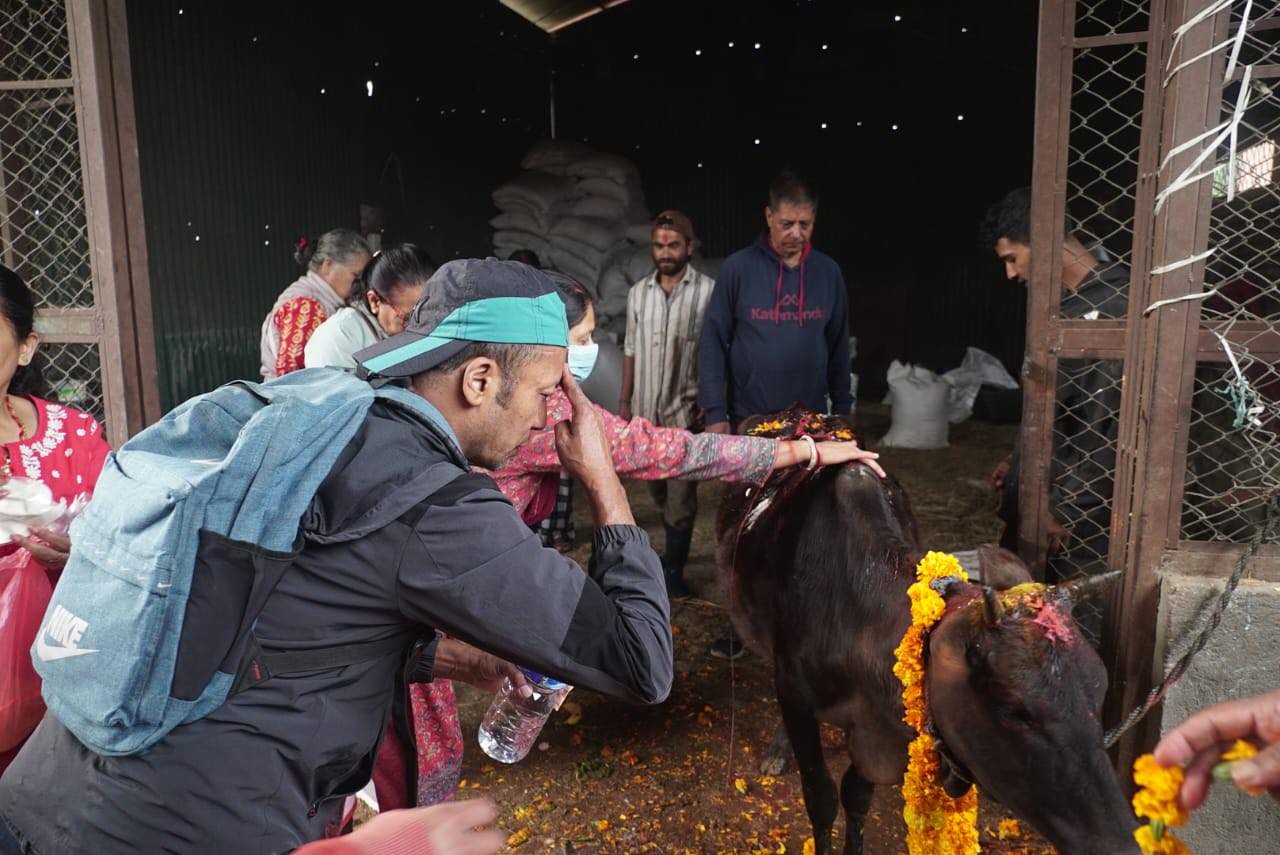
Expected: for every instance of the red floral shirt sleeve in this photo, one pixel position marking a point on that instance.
(295, 320)
(643, 451)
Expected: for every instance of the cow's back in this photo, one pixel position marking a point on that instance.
(817, 581)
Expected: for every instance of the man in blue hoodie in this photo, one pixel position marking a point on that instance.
(777, 327)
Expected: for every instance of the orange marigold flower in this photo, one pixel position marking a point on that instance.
(1161, 782)
(936, 823)
(1146, 803)
(1008, 829)
(1241, 750)
(1168, 844)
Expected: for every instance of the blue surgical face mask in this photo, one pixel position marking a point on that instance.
(582, 358)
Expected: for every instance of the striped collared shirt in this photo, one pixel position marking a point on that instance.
(662, 335)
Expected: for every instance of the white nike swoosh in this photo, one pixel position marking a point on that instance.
(51, 654)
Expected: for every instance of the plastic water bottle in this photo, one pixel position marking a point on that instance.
(513, 723)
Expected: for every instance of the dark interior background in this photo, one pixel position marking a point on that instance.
(255, 127)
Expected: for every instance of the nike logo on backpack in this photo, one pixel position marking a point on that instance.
(65, 629)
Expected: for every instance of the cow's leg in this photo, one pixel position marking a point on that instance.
(777, 757)
(855, 795)
(820, 797)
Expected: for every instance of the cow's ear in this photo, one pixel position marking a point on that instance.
(1000, 568)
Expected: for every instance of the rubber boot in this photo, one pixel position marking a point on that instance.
(673, 560)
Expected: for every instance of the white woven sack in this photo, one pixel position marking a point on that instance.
(603, 166)
(600, 207)
(555, 155)
(505, 243)
(614, 283)
(592, 231)
(587, 254)
(571, 263)
(606, 187)
(639, 233)
(639, 263)
(921, 406)
(540, 190)
(518, 221)
(613, 305)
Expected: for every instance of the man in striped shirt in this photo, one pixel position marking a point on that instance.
(660, 369)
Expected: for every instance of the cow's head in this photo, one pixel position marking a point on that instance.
(877, 519)
(1016, 697)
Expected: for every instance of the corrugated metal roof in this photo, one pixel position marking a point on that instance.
(552, 15)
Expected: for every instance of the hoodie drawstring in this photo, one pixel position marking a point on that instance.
(777, 297)
(802, 290)
(777, 288)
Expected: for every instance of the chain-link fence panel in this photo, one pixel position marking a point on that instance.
(72, 375)
(43, 230)
(1109, 17)
(1233, 456)
(1085, 430)
(1103, 138)
(34, 35)
(43, 225)
(1102, 170)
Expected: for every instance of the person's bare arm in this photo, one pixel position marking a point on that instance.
(792, 452)
(457, 660)
(628, 383)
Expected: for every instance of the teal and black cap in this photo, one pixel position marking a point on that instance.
(466, 301)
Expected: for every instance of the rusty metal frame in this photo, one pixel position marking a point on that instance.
(1165, 345)
(1048, 206)
(121, 318)
(1159, 352)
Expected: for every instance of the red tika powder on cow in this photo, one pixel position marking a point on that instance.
(1055, 622)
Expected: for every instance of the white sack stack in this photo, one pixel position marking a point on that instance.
(574, 207)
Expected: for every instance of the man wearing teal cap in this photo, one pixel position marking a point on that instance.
(267, 771)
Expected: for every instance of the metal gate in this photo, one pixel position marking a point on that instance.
(70, 204)
(1157, 124)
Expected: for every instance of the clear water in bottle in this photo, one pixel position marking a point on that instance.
(513, 723)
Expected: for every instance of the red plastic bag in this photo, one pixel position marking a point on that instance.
(24, 595)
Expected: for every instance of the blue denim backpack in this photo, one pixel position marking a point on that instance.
(192, 523)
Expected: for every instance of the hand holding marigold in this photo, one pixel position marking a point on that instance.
(1199, 743)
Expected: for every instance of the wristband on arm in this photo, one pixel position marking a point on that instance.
(421, 664)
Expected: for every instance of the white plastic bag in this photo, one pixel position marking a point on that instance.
(27, 504)
(978, 368)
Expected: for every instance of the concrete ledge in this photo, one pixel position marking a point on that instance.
(1241, 659)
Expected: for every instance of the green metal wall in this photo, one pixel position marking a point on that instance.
(237, 161)
(240, 148)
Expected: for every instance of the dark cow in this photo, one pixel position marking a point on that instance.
(818, 569)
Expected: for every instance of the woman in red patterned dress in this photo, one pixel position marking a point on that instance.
(40, 440)
(331, 265)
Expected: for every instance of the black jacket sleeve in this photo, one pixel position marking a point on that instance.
(473, 569)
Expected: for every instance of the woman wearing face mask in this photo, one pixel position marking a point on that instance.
(331, 264)
(380, 303)
(642, 450)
